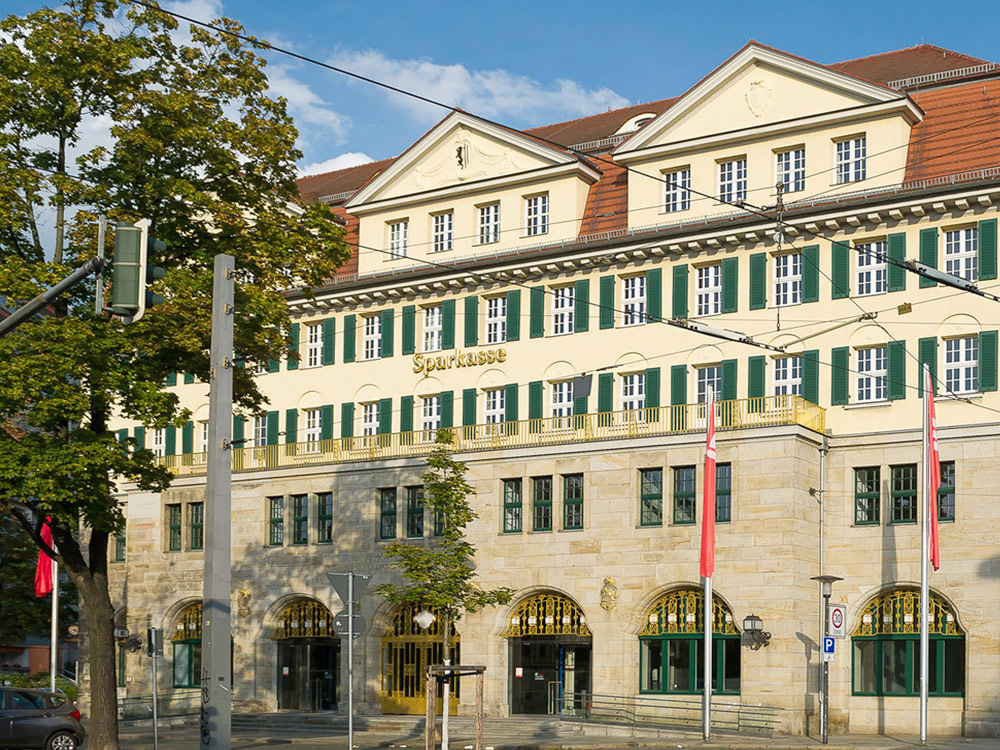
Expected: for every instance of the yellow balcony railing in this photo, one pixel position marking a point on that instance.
(768, 411)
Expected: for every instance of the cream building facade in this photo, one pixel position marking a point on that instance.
(500, 276)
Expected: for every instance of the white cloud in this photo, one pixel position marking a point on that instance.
(305, 105)
(490, 93)
(343, 161)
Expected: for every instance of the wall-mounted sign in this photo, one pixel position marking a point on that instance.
(425, 364)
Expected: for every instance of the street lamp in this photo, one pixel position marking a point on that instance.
(826, 586)
(424, 618)
(753, 626)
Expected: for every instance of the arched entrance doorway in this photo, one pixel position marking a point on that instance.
(186, 642)
(407, 650)
(550, 644)
(308, 658)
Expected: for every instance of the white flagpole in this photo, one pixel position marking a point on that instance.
(924, 557)
(54, 635)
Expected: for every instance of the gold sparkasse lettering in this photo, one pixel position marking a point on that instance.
(451, 361)
(441, 363)
(426, 365)
(491, 357)
(501, 355)
(418, 362)
(482, 358)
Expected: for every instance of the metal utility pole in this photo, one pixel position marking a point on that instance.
(925, 538)
(216, 693)
(826, 588)
(102, 225)
(30, 308)
(349, 586)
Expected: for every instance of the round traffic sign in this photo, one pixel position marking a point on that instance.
(837, 617)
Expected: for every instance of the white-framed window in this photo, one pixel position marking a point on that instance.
(496, 320)
(314, 345)
(260, 431)
(709, 289)
(495, 405)
(851, 159)
(677, 190)
(733, 180)
(790, 169)
(563, 300)
(369, 418)
(442, 233)
(633, 300)
(432, 328)
(872, 273)
(430, 416)
(634, 393)
(399, 236)
(788, 279)
(961, 364)
(788, 376)
(203, 434)
(371, 337)
(872, 374)
(562, 402)
(159, 442)
(961, 253)
(489, 223)
(709, 376)
(313, 431)
(536, 214)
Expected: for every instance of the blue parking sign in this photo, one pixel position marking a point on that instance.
(828, 644)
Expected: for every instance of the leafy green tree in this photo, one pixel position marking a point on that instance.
(196, 146)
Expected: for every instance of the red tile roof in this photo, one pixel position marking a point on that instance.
(607, 202)
(596, 127)
(906, 63)
(316, 186)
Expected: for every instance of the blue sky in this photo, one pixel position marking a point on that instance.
(532, 63)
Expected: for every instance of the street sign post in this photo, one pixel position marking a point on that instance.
(836, 615)
(828, 645)
(349, 587)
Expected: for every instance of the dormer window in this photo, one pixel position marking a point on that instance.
(733, 180)
(851, 159)
(536, 214)
(636, 122)
(399, 232)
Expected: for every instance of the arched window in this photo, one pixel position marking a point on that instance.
(407, 649)
(547, 614)
(187, 647)
(886, 647)
(672, 646)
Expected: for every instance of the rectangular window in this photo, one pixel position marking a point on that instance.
(851, 160)
(867, 496)
(399, 234)
(634, 394)
(541, 501)
(573, 501)
(387, 513)
(314, 345)
(677, 190)
(961, 253)
(122, 661)
(120, 546)
(430, 416)
(562, 403)
(709, 377)
(961, 364)
(788, 279)
(495, 405)
(439, 519)
(276, 520)
(324, 517)
(173, 527)
(788, 376)
(196, 516)
(536, 209)
(300, 519)
(733, 180)
(432, 328)
(512, 507)
(203, 431)
(904, 494)
(709, 289)
(159, 442)
(872, 273)
(651, 497)
(723, 493)
(633, 300)
(414, 512)
(443, 224)
(371, 337)
(790, 169)
(496, 320)
(946, 492)
(872, 374)
(684, 495)
(187, 664)
(260, 431)
(563, 299)
(313, 429)
(369, 419)
(489, 223)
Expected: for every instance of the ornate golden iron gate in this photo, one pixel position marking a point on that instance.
(406, 652)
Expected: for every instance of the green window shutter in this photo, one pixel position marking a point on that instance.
(839, 375)
(139, 433)
(581, 305)
(988, 361)
(928, 253)
(927, 355)
(510, 402)
(273, 365)
(652, 387)
(654, 295)
(350, 332)
(536, 325)
(171, 379)
(122, 434)
(347, 420)
(605, 392)
(187, 437)
(384, 416)
(291, 425)
(678, 385)
(170, 441)
(293, 347)
(896, 354)
(471, 321)
(326, 422)
(409, 329)
(405, 414)
(469, 406)
(840, 279)
(810, 375)
(448, 324)
(897, 254)
(987, 249)
(810, 273)
(272, 428)
(514, 315)
(729, 377)
(388, 331)
(730, 284)
(189, 378)
(535, 389)
(758, 281)
(680, 302)
(329, 354)
(447, 409)
(580, 405)
(607, 293)
(237, 428)
(756, 377)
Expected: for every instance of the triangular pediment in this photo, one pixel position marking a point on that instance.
(758, 87)
(460, 150)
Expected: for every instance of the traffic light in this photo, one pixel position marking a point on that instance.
(132, 273)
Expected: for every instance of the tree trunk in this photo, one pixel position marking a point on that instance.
(60, 202)
(99, 618)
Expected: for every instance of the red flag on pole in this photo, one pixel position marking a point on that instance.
(708, 511)
(934, 458)
(43, 570)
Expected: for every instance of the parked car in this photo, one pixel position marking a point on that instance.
(38, 719)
